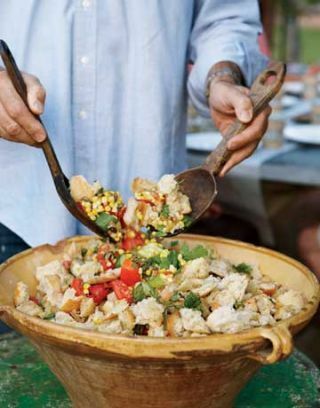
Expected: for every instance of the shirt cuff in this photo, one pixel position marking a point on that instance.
(250, 61)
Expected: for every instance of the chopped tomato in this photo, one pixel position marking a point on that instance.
(34, 299)
(129, 274)
(269, 291)
(77, 285)
(130, 243)
(98, 292)
(121, 290)
(66, 264)
(106, 264)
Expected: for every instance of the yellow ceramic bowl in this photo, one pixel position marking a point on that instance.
(100, 370)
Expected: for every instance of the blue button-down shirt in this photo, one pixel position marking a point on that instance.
(115, 72)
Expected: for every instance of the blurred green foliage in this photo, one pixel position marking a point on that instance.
(291, 41)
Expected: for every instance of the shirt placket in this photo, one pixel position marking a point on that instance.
(84, 87)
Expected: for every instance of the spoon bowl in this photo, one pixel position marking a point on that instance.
(201, 188)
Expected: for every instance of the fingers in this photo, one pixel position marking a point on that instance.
(36, 94)
(238, 156)
(229, 99)
(24, 127)
(244, 144)
(253, 133)
(239, 99)
(10, 130)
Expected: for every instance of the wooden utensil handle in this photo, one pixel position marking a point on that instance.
(21, 88)
(261, 93)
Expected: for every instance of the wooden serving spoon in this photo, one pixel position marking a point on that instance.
(60, 180)
(199, 183)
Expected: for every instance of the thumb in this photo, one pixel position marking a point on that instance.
(241, 103)
(36, 94)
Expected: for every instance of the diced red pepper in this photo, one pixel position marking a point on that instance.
(77, 285)
(34, 299)
(121, 290)
(120, 215)
(130, 243)
(104, 263)
(98, 292)
(66, 264)
(129, 274)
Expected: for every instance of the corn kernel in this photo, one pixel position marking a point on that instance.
(131, 234)
(97, 320)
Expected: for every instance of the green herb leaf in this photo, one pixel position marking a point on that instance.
(103, 220)
(238, 304)
(187, 221)
(100, 191)
(156, 282)
(197, 252)
(160, 233)
(142, 291)
(120, 260)
(175, 297)
(174, 243)
(243, 268)
(165, 212)
(173, 259)
(192, 301)
(152, 262)
(49, 316)
(138, 293)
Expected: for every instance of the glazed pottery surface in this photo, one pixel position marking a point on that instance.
(100, 370)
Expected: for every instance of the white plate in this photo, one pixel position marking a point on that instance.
(203, 141)
(302, 133)
(289, 100)
(293, 87)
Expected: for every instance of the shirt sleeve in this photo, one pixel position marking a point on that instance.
(223, 30)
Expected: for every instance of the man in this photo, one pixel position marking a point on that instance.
(115, 75)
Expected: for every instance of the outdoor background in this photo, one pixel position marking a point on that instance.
(293, 29)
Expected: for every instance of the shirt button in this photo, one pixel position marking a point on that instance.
(86, 4)
(84, 60)
(83, 114)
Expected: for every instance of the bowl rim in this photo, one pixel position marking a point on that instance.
(157, 347)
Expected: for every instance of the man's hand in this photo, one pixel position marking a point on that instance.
(17, 124)
(227, 102)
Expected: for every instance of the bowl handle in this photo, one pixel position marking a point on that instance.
(282, 345)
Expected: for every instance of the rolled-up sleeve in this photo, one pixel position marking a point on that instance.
(223, 30)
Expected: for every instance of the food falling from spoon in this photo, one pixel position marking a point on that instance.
(156, 209)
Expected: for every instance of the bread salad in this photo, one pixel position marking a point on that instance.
(154, 288)
(158, 209)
